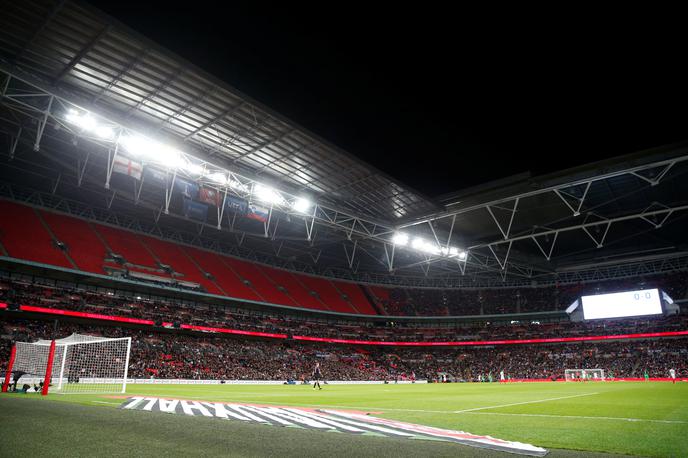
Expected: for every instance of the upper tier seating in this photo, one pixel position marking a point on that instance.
(84, 246)
(23, 236)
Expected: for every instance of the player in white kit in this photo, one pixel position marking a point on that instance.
(672, 374)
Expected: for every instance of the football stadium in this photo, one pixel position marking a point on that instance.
(184, 271)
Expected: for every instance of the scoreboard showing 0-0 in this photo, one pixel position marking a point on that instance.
(618, 305)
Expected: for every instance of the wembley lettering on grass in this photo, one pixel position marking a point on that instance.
(324, 420)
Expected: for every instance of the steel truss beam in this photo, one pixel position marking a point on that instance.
(560, 190)
(652, 265)
(663, 212)
(23, 94)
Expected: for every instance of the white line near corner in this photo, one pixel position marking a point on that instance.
(525, 402)
(579, 417)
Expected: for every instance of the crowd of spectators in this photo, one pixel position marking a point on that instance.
(458, 302)
(176, 355)
(233, 318)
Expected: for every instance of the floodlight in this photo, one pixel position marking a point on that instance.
(302, 205)
(191, 168)
(85, 121)
(217, 177)
(152, 150)
(425, 246)
(400, 239)
(462, 255)
(267, 194)
(105, 132)
(88, 123)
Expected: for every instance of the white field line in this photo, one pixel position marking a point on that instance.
(106, 402)
(525, 402)
(577, 417)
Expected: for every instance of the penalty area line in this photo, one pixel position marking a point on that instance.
(578, 417)
(525, 402)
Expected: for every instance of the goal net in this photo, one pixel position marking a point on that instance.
(582, 375)
(75, 364)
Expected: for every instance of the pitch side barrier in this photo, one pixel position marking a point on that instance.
(163, 381)
(616, 379)
(461, 343)
(148, 381)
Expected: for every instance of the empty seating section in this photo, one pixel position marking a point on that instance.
(327, 293)
(380, 293)
(225, 278)
(356, 297)
(24, 237)
(173, 256)
(261, 283)
(294, 288)
(126, 245)
(381, 296)
(84, 247)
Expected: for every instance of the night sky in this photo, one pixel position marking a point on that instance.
(439, 99)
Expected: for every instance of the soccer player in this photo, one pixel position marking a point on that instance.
(317, 375)
(672, 374)
(647, 376)
(501, 376)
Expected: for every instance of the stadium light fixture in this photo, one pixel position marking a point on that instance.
(191, 168)
(219, 178)
(302, 205)
(267, 194)
(153, 151)
(400, 239)
(423, 245)
(88, 123)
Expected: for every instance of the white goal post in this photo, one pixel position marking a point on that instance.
(582, 375)
(75, 364)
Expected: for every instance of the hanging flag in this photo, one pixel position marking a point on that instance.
(209, 196)
(258, 213)
(195, 210)
(186, 188)
(236, 204)
(126, 166)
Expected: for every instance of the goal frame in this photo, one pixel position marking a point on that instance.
(583, 373)
(58, 350)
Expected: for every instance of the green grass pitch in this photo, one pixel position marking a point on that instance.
(630, 418)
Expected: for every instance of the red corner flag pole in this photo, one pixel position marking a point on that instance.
(9, 369)
(49, 368)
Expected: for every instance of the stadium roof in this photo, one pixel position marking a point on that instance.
(116, 71)
(57, 56)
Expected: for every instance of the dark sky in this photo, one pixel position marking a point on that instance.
(440, 99)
